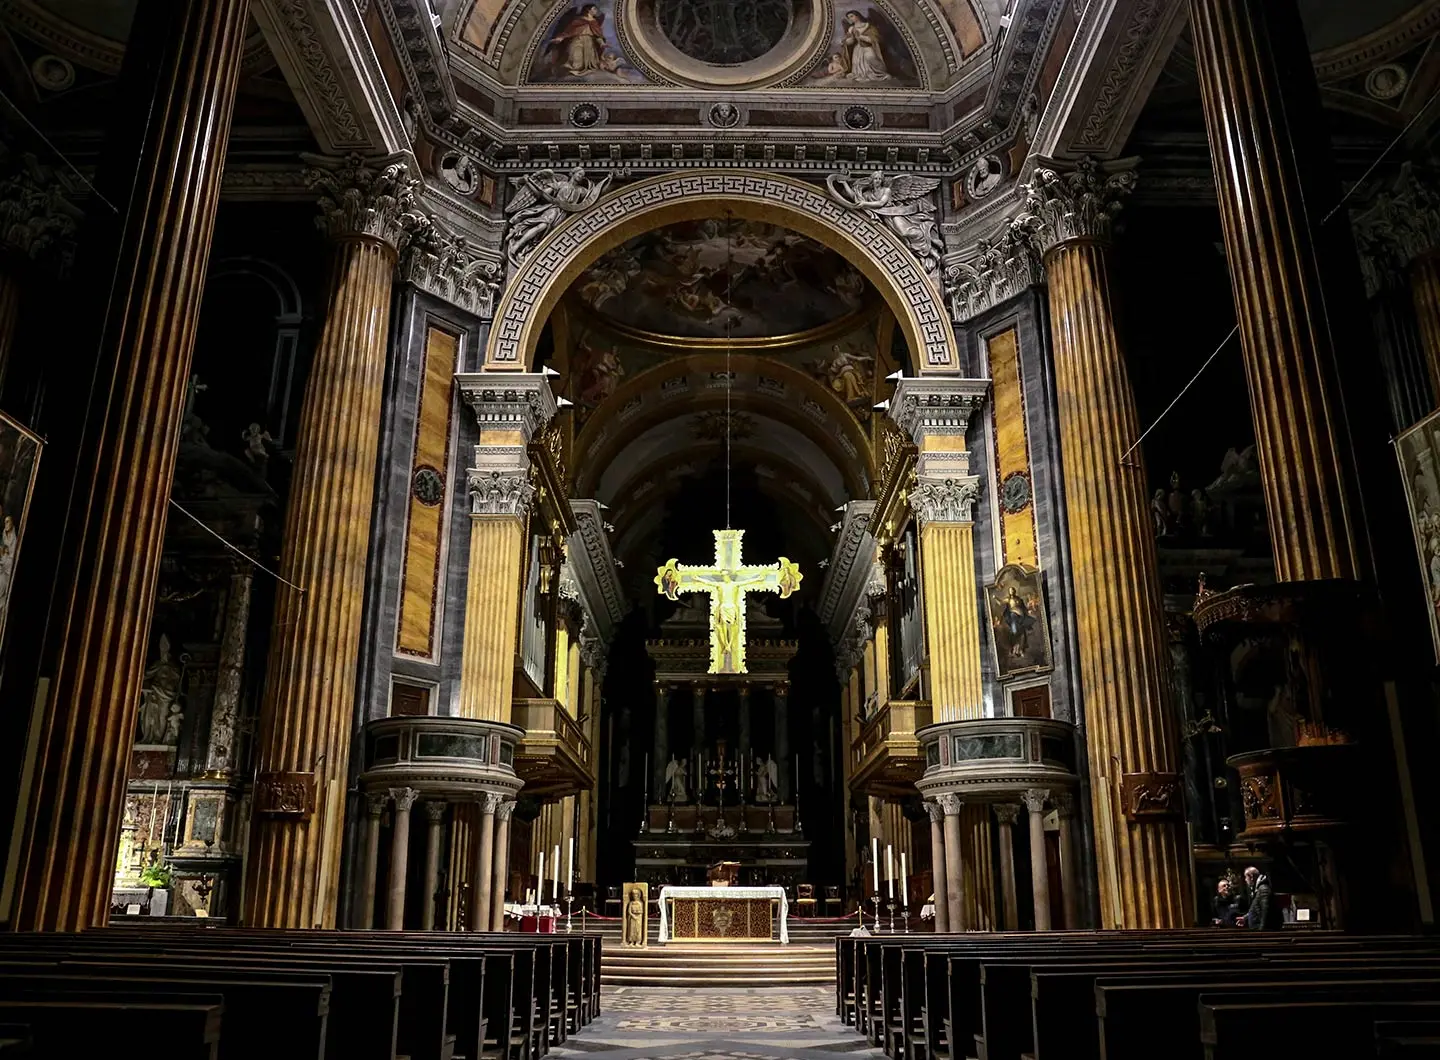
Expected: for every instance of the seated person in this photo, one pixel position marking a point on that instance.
(1226, 904)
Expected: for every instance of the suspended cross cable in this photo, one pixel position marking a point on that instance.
(729, 375)
(233, 548)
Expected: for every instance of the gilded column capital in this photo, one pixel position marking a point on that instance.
(1006, 813)
(1067, 203)
(34, 211)
(504, 810)
(1034, 799)
(499, 493)
(945, 501)
(934, 811)
(446, 267)
(998, 270)
(436, 811)
(404, 798)
(950, 803)
(364, 197)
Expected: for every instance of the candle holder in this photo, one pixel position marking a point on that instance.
(876, 899)
(569, 903)
(905, 917)
(670, 819)
(890, 908)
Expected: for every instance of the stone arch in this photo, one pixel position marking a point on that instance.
(535, 288)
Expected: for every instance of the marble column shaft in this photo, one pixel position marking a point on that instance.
(1425, 293)
(743, 720)
(1009, 900)
(178, 86)
(501, 858)
(937, 865)
(954, 864)
(492, 607)
(484, 864)
(225, 713)
(782, 742)
(434, 836)
(1142, 864)
(952, 620)
(307, 712)
(1267, 134)
(399, 857)
(364, 918)
(1069, 884)
(1039, 864)
(662, 741)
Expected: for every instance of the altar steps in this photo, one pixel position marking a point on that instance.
(719, 964)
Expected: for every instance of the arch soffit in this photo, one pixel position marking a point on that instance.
(606, 434)
(287, 291)
(535, 289)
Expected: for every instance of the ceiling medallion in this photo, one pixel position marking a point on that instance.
(724, 116)
(858, 117)
(459, 173)
(1387, 81)
(584, 115)
(723, 44)
(52, 73)
(984, 177)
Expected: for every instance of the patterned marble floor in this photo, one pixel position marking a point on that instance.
(665, 1023)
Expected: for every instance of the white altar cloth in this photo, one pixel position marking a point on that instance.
(723, 892)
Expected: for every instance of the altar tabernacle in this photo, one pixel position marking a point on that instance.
(723, 914)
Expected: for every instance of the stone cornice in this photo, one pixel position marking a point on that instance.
(851, 560)
(360, 197)
(422, 54)
(936, 405)
(1069, 202)
(509, 401)
(596, 569)
(446, 267)
(950, 500)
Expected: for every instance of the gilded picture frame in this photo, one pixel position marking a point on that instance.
(1418, 450)
(20, 450)
(1019, 627)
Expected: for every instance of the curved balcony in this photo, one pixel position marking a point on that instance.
(553, 758)
(997, 756)
(887, 758)
(454, 757)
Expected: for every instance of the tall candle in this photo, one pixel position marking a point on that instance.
(540, 881)
(875, 861)
(904, 887)
(570, 868)
(555, 891)
(890, 869)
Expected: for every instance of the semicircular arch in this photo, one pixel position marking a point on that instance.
(540, 281)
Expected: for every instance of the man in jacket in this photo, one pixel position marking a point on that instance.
(1264, 913)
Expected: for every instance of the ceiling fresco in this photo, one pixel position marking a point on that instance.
(704, 279)
(582, 47)
(866, 49)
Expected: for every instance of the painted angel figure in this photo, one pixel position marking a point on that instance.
(901, 202)
(541, 201)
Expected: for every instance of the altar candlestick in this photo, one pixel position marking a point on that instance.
(890, 869)
(555, 891)
(875, 861)
(570, 868)
(904, 887)
(540, 881)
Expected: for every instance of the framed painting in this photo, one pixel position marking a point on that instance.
(19, 461)
(1019, 632)
(1418, 449)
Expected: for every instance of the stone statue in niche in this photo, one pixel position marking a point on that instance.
(541, 201)
(676, 773)
(160, 713)
(767, 780)
(903, 203)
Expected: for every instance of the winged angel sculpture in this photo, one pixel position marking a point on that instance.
(901, 202)
(543, 199)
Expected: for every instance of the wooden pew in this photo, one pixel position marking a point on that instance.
(189, 1025)
(1254, 1026)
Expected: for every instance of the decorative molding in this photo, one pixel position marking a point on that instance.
(361, 198)
(851, 559)
(1001, 269)
(926, 406)
(596, 569)
(1034, 799)
(316, 81)
(520, 402)
(934, 811)
(422, 53)
(264, 184)
(1118, 89)
(404, 798)
(34, 210)
(491, 801)
(435, 811)
(947, 501)
(1064, 204)
(1397, 226)
(904, 203)
(446, 267)
(951, 804)
(375, 803)
(496, 493)
(520, 310)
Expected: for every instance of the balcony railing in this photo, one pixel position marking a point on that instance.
(554, 757)
(887, 757)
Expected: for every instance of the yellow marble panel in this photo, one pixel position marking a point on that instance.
(420, 578)
(1012, 451)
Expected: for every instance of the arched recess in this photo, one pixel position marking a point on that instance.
(573, 246)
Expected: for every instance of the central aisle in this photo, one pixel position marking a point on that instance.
(715, 1023)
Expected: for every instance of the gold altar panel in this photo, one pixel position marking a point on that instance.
(722, 919)
(415, 630)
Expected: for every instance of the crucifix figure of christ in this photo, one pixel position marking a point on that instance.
(727, 581)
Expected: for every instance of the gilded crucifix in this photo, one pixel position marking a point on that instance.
(727, 581)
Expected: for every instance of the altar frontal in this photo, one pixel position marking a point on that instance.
(723, 914)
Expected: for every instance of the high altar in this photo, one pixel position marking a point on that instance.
(743, 808)
(723, 914)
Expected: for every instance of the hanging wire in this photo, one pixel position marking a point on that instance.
(59, 154)
(729, 375)
(238, 551)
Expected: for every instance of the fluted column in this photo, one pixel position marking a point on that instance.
(938, 885)
(484, 863)
(399, 857)
(954, 863)
(309, 702)
(501, 858)
(230, 668)
(782, 742)
(1009, 901)
(1425, 292)
(1131, 742)
(370, 860)
(1039, 866)
(501, 496)
(434, 835)
(662, 741)
(1069, 886)
(1267, 137)
(172, 127)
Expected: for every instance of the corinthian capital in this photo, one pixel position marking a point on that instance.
(1063, 204)
(497, 493)
(364, 198)
(1000, 269)
(448, 268)
(946, 501)
(34, 211)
